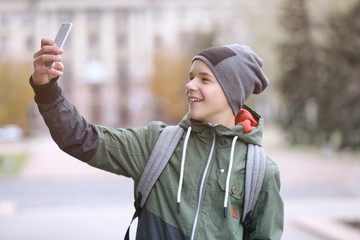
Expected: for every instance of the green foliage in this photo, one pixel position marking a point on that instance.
(15, 93)
(11, 163)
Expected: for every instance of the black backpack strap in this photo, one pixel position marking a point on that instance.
(254, 176)
(136, 214)
(160, 155)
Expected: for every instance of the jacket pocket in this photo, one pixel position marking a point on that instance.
(236, 183)
(235, 202)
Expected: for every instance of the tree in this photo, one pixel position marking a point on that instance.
(339, 103)
(171, 73)
(297, 83)
(15, 93)
(168, 85)
(320, 82)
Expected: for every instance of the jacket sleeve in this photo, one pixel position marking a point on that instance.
(67, 127)
(120, 151)
(268, 217)
(125, 151)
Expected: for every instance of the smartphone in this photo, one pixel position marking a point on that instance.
(61, 38)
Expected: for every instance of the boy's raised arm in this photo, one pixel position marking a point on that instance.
(67, 127)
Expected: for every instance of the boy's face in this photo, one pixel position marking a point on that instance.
(207, 100)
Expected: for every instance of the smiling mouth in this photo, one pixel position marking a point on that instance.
(193, 100)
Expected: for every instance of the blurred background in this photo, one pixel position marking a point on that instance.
(126, 64)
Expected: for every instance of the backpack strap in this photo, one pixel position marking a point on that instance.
(254, 176)
(160, 155)
(164, 148)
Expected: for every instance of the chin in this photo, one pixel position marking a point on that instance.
(194, 117)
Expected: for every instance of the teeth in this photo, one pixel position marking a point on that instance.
(195, 100)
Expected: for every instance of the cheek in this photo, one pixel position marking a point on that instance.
(219, 96)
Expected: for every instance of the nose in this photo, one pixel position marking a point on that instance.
(191, 86)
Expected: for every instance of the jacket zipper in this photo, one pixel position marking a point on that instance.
(203, 182)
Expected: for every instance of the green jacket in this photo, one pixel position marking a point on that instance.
(126, 151)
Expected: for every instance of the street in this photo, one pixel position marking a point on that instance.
(65, 209)
(57, 197)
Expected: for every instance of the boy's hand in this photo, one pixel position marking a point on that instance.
(48, 53)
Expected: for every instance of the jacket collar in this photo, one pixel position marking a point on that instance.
(254, 136)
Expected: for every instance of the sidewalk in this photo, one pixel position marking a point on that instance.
(48, 165)
(47, 161)
(319, 190)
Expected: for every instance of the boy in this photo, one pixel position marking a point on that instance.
(218, 130)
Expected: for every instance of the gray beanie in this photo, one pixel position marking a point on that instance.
(238, 70)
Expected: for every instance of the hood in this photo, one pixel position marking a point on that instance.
(249, 126)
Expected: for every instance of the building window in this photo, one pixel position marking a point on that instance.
(65, 16)
(158, 41)
(28, 17)
(95, 104)
(4, 18)
(123, 85)
(67, 78)
(29, 44)
(121, 16)
(123, 74)
(157, 14)
(93, 40)
(4, 43)
(121, 39)
(93, 16)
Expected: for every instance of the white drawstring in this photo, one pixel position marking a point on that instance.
(228, 175)
(182, 168)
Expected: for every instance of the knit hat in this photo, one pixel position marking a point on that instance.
(238, 70)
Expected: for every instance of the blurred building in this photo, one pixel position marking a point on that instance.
(108, 55)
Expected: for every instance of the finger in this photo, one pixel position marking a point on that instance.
(54, 73)
(42, 59)
(47, 41)
(59, 66)
(45, 71)
(48, 50)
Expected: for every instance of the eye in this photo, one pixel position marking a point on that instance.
(205, 80)
(191, 77)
